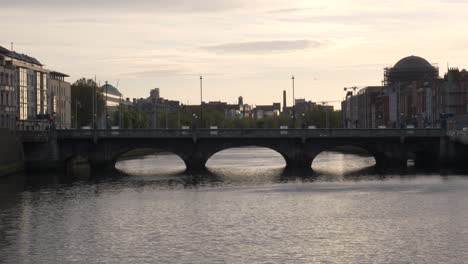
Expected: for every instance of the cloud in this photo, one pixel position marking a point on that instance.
(125, 5)
(264, 47)
(157, 73)
(294, 10)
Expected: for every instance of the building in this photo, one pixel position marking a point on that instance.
(154, 93)
(262, 111)
(413, 86)
(302, 106)
(112, 98)
(60, 97)
(34, 98)
(412, 94)
(8, 101)
(367, 109)
(155, 106)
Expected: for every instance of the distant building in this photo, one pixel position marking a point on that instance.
(154, 94)
(262, 111)
(303, 106)
(413, 95)
(111, 94)
(367, 109)
(112, 98)
(154, 106)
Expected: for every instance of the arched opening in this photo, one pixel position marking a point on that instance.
(252, 162)
(149, 162)
(343, 161)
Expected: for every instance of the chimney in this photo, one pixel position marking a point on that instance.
(284, 101)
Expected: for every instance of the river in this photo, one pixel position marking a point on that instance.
(245, 209)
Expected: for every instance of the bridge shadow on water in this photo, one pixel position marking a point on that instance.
(262, 169)
(208, 178)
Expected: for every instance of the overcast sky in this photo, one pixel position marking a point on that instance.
(241, 47)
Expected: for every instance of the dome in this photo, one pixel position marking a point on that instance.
(413, 62)
(412, 68)
(110, 89)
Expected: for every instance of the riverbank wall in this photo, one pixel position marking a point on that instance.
(11, 153)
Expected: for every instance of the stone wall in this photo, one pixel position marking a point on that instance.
(11, 153)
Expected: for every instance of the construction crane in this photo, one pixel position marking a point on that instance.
(350, 90)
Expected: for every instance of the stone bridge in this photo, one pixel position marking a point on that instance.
(391, 148)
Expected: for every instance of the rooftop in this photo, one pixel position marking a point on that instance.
(18, 56)
(412, 62)
(110, 90)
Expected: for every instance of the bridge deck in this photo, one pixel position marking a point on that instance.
(37, 136)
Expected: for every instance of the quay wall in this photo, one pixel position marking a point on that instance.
(11, 153)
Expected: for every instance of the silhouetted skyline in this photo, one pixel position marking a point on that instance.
(242, 48)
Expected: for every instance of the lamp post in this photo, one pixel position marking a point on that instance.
(304, 121)
(194, 121)
(201, 101)
(294, 103)
(93, 99)
(120, 112)
(107, 114)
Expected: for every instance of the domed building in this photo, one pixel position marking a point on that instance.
(412, 95)
(412, 68)
(412, 85)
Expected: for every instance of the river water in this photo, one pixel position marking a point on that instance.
(245, 209)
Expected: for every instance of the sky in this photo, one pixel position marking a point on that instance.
(248, 48)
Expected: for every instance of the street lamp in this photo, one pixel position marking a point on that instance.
(107, 114)
(304, 121)
(201, 101)
(294, 103)
(194, 121)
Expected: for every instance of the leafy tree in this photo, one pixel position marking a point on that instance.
(82, 92)
(131, 118)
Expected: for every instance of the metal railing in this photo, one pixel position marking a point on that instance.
(247, 133)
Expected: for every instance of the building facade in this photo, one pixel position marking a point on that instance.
(60, 99)
(8, 102)
(33, 100)
(412, 95)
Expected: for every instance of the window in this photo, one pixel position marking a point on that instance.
(38, 94)
(23, 93)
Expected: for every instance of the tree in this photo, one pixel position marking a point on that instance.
(82, 92)
(132, 118)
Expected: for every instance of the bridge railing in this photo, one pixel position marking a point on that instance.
(247, 133)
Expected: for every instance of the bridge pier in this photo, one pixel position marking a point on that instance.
(195, 164)
(299, 163)
(102, 166)
(392, 162)
(426, 161)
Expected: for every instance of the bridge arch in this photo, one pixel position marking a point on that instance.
(148, 161)
(355, 157)
(247, 155)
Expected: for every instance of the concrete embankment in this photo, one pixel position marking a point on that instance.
(11, 153)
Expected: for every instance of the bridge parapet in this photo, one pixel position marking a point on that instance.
(247, 133)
